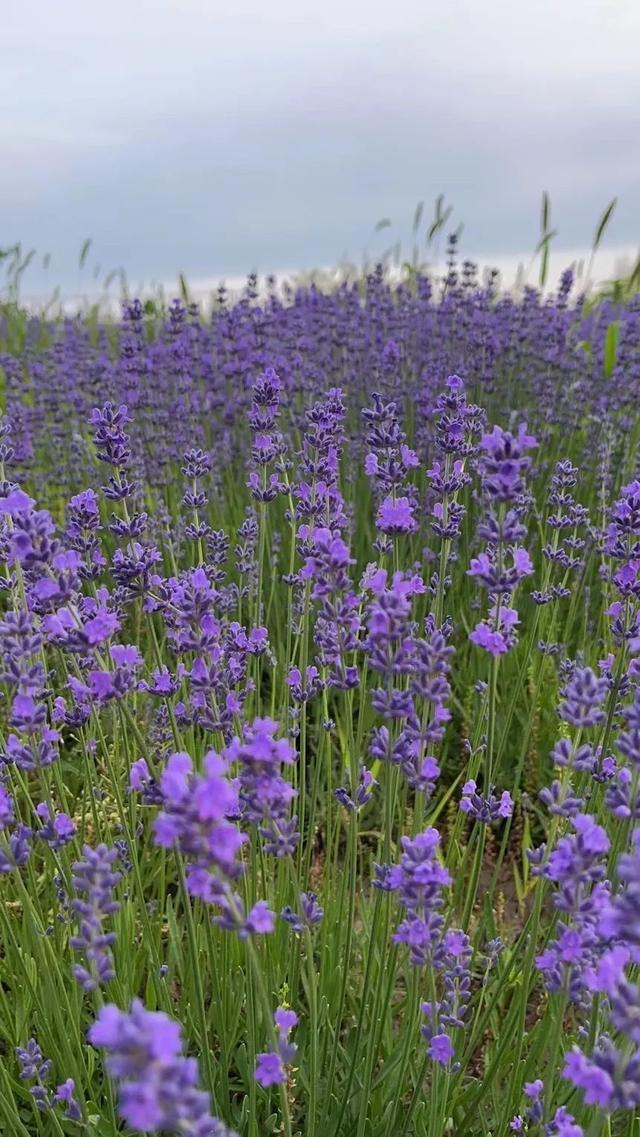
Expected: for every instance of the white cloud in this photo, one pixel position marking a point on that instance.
(183, 132)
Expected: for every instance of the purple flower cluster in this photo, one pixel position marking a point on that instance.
(57, 829)
(268, 444)
(244, 666)
(157, 1084)
(414, 670)
(562, 1124)
(567, 520)
(36, 1069)
(82, 533)
(271, 1065)
(216, 653)
(457, 426)
(309, 916)
(485, 808)
(265, 796)
(387, 464)
(317, 494)
(418, 880)
(94, 881)
(193, 818)
(623, 796)
(577, 867)
(15, 838)
(337, 626)
(450, 1013)
(502, 464)
(196, 466)
(582, 699)
(610, 1076)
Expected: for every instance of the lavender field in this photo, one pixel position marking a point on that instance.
(320, 715)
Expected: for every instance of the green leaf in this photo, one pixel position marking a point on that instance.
(544, 260)
(634, 279)
(440, 219)
(544, 241)
(603, 222)
(84, 252)
(546, 212)
(611, 347)
(184, 289)
(26, 262)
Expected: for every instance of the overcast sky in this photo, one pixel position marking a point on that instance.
(216, 138)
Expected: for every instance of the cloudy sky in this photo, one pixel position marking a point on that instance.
(216, 138)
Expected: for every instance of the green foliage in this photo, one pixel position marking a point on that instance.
(360, 1069)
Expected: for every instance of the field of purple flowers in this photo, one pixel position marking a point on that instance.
(320, 716)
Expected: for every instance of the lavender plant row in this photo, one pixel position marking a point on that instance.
(320, 717)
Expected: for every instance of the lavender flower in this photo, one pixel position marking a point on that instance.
(34, 1068)
(363, 792)
(576, 866)
(65, 1096)
(311, 914)
(94, 880)
(504, 462)
(337, 626)
(268, 443)
(418, 879)
(388, 464)
(157, 1084)
(395, 516)
(582, 701)
(271, 1065)
(194, 820)
(487, 809)
(16, 849)
(265, 796)
(57, 829)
